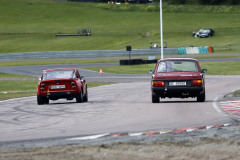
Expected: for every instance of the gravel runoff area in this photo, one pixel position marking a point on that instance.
(221, 142)
(215, 144)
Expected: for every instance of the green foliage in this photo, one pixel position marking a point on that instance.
(204, 2)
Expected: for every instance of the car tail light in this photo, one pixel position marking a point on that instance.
(73, 84)
(42, 85)
(158, 83)
(197, 82)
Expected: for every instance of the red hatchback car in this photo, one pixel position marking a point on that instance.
(178, 78)
(61, 84)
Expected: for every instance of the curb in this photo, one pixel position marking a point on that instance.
(231, 107)
(175, 131)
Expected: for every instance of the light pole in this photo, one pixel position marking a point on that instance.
(161, 29)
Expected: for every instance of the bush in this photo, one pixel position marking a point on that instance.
(203, 2)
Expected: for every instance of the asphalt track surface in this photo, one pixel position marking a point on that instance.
(123, 107)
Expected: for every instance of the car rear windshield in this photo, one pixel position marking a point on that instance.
(205, 31)
(59, 74)
(177, 66)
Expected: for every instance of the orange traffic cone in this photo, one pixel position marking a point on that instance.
(101, 71)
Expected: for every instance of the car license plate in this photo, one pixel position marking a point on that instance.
(177, 83)
(57, 86)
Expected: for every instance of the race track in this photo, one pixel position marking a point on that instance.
(124, 107)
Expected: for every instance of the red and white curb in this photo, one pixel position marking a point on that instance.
(231, 107)
(190, 129)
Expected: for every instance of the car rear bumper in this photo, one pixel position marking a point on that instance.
(59, 95)
(204, 36)
(180, 92)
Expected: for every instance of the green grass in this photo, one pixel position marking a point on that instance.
(222, 68)
(235, 93)
(29, 88)
(31, 25)
(7, 86)
(214, 68)
(133, 69)
(4, 96)
(6, 75)
(71, 61)
(51, 62)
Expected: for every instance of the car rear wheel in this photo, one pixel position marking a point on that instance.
(46, 101)
(40, 100)
(201, 97)
(155, 99)
(79, 97)
(85, 98)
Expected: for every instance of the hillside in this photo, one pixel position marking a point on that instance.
(31, 25)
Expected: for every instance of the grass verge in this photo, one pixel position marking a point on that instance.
(235, 94)
(214, 68)
(7, 75)
(51, 62)
(32, 62)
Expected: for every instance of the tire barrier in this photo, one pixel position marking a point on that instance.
(94, 53)
(136, 62)
(195, 50)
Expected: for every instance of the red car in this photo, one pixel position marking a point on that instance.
(178, 78)
(61, 84)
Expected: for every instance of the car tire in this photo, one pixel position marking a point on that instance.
(201, 97)
(46, 101)
(85, 97)
(155, 99)
(79, 97)
(40, 100)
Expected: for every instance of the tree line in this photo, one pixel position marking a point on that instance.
(189, 2)
(204, 2)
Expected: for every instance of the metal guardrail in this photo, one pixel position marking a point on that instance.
(85, 53)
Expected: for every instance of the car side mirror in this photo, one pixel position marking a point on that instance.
(151, 71)
(204, 70)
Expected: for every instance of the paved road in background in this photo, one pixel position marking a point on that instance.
(91, 76)
(83, 54)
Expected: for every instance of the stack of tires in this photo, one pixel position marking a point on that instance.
(131, 62)
(136, 62)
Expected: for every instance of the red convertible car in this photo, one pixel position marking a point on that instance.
(61, 84)
(178, 78)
